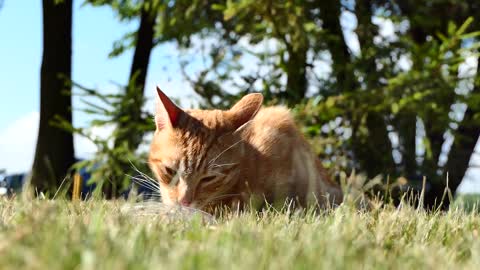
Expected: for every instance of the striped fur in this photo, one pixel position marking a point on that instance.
(207, 158)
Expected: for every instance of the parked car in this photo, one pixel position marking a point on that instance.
(81, 188)
(11, 184)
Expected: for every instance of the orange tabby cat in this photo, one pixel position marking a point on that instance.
(206, 158)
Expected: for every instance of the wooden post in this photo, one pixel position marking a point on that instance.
(77, 183)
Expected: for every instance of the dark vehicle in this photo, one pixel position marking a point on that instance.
(82, 188)
(12, 184)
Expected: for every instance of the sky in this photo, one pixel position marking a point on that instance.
(94, 31)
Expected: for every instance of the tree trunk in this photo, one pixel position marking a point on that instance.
(405, 123)
(127, 135)
(296, 69)
(143, 49)
(341, 58)
(54, 152)
(463, 146)
(462, 149)
(375, 151)
(137, 79)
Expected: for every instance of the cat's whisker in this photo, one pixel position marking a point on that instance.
(145, 180)
(147, 183)
(222, 165)
(140, 172)
(153, 190)
(273, 157)
(147, 177)
(150, 188)
(223, 152)
(153, 196)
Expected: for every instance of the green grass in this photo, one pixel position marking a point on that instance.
(469, 201)
(98, 235)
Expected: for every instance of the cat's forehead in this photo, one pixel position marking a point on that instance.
(199, 136)
(211, 119)
(171, 146)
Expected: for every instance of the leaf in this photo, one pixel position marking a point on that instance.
(451, 28)
(309, 26)
(395, 108)
(218, 7)
(470, 35)
(464, 26)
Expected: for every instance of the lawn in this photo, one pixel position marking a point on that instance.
(102, 235)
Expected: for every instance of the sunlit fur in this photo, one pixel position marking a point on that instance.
(247, 154)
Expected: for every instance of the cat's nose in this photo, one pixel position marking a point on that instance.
(185, 202)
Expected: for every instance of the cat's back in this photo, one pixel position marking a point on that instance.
(273, 127)
(288, 162)
(277, 117)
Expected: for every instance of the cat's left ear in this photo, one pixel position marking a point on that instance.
(167, 113)
(245, 109)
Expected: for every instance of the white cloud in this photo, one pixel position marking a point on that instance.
(18, 141)
(84, 148)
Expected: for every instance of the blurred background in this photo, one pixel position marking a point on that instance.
(387, 89)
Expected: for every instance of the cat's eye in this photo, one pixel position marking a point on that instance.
(170, 171)
(167, 174)
(208, 178)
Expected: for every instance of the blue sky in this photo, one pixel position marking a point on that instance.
(20, 29)
(94, 31)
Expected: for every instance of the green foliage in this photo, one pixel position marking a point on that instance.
(113, 165)
(126, 9)
(469, 202)
(425, 90)
(385, 108)
(284, 33)
(392, 81)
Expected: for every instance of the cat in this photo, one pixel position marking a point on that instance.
(204, 159)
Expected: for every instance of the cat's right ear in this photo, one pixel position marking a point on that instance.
(245, 109)
(167, 113)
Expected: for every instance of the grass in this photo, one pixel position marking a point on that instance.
(99, 235)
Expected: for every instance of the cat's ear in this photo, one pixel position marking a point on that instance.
(244, 129)
(167, 113)
(245, 109)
